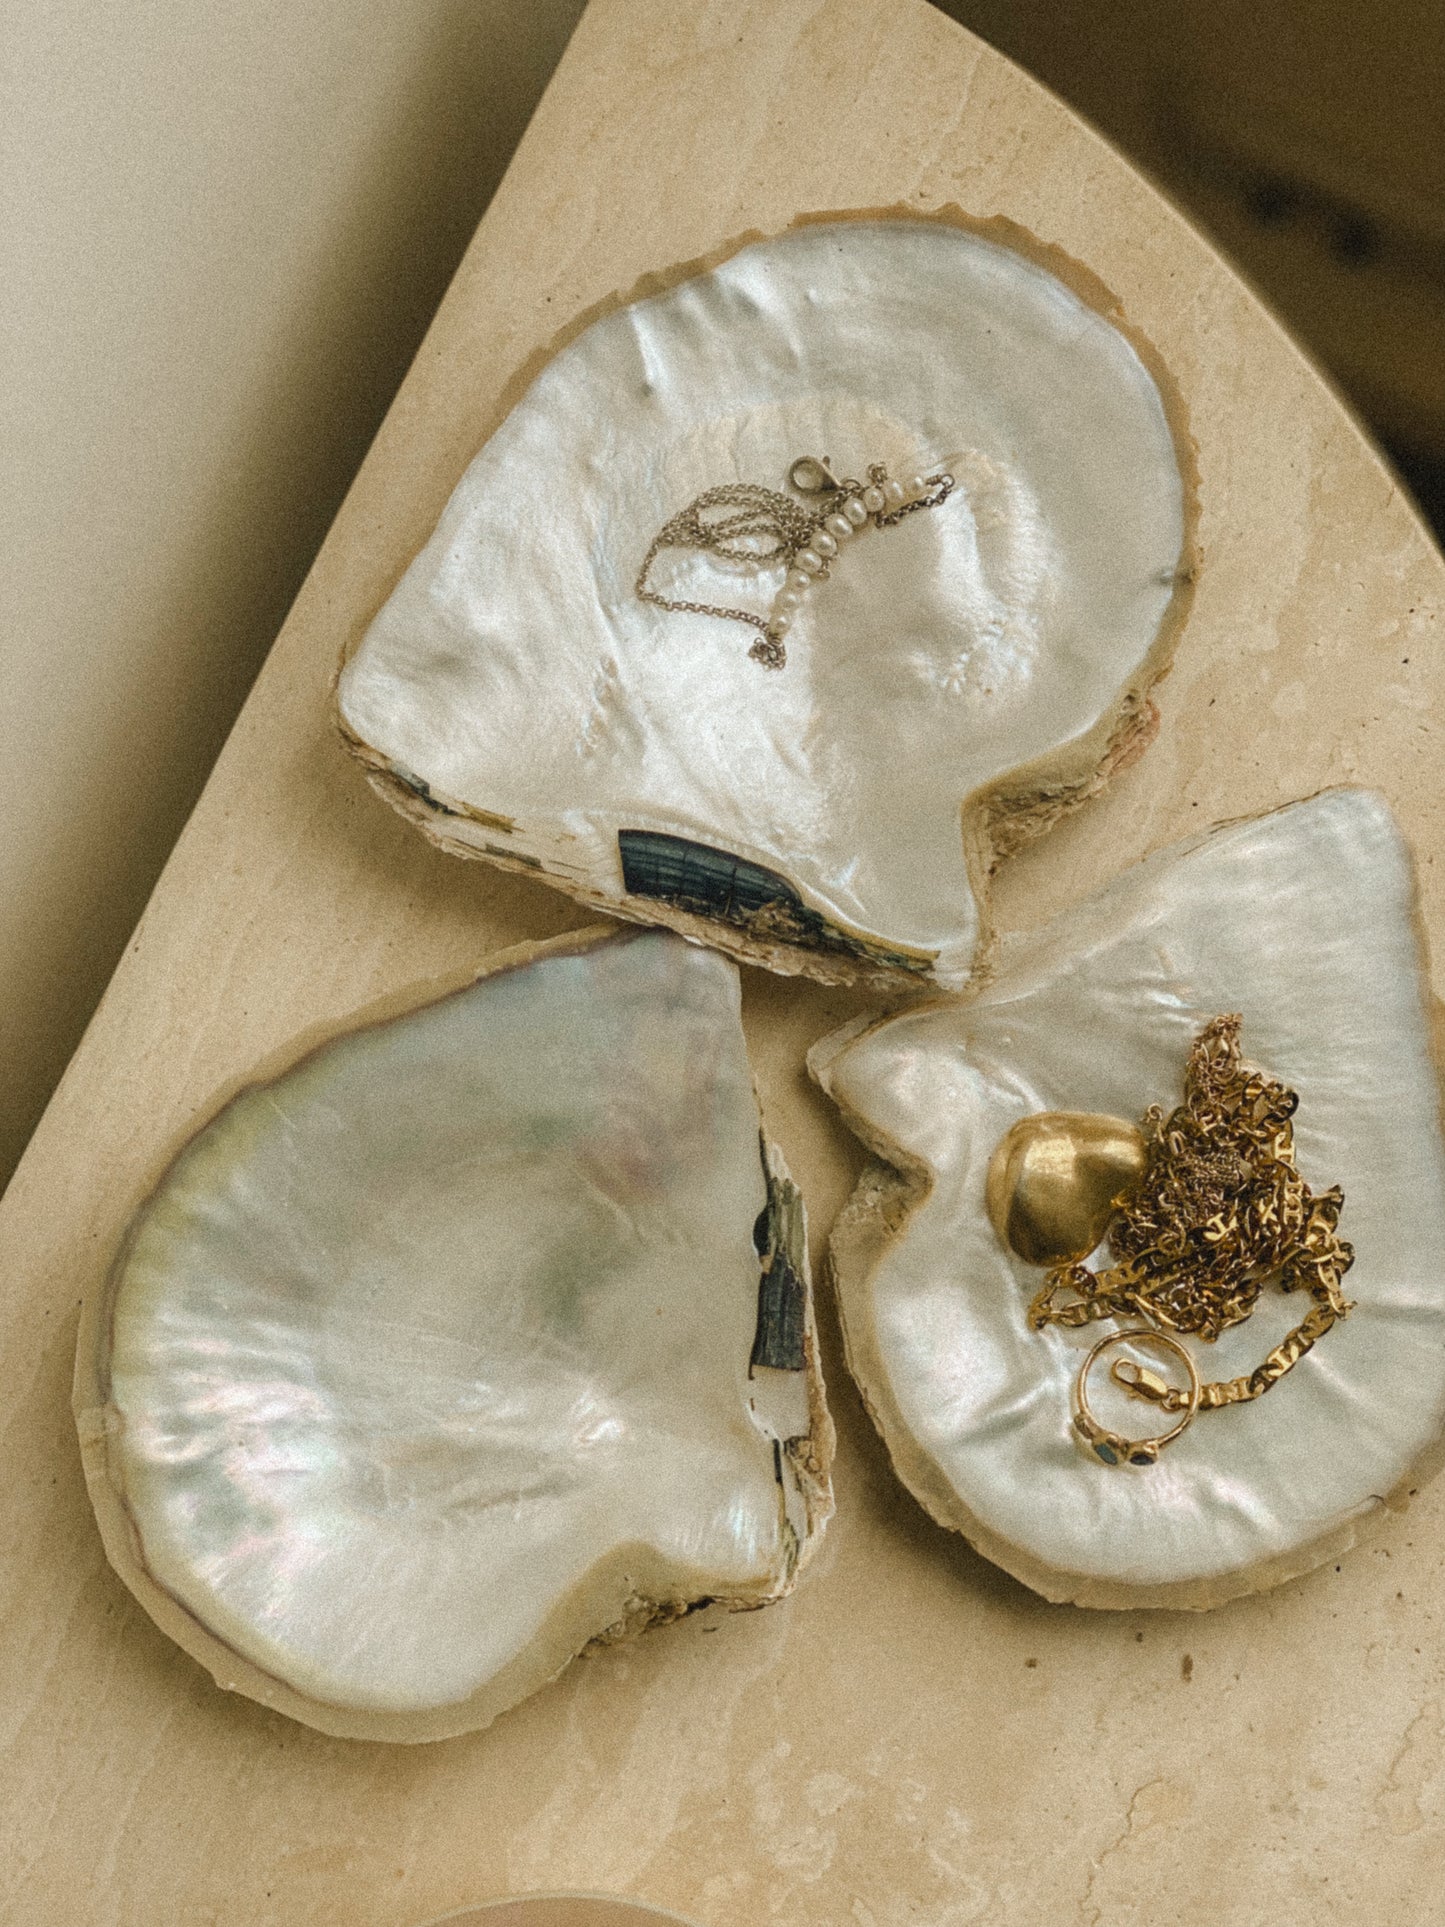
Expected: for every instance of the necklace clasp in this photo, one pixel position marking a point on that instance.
(1141, 1380)
(811, 475)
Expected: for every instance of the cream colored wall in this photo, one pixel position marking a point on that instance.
(224, 228)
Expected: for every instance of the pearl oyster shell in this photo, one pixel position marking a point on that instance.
(958, 680)
(446, 1351)
(1304, 922)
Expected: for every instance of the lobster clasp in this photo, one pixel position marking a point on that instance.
(811, 475)
(1141, 1381)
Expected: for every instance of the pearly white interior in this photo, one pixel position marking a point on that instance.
(413, 1338)
(1302, 921)
(515, 670)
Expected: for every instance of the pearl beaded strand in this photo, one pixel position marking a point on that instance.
(766, 526)
(876, 503)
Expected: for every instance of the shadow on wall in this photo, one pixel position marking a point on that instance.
(1304, 138)
(235, 227)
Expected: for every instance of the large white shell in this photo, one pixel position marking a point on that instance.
(985, 658)
(1304, 922)
(445, 1352)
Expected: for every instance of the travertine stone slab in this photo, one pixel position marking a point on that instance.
(913, 1738)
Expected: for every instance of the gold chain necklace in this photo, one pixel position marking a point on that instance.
(745, 522)
(1218, 1211)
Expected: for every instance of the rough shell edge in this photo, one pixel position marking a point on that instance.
(654, 1595)
(996, 820)
(889, 1190)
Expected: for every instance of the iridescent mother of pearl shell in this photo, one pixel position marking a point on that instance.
(477, 1333)
(956, 681)
(1304, 921)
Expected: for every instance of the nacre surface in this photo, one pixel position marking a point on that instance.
(977, 662)
(445, 1351)
(1304, 922)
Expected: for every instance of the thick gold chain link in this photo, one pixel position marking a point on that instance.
(1220, 1211)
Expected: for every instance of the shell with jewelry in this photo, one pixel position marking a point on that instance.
(787, 599)
(639, 659)
(1305, 921)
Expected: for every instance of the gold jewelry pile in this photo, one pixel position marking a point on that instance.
(768, 527)
(1219, 1212)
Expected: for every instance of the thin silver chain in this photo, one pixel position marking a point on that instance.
(766, 527)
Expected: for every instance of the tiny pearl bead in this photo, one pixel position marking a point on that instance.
(839, 527)
(824, 543)
(787, 598)
(893, 493)
(799, 578)
(780, 624)
(810, 561)
(917, 485)
(872, 500)
(855, 511)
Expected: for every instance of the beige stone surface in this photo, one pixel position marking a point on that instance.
(561, 1910)
(913, 1739)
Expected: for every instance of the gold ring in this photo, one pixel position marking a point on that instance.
(1110, 1448)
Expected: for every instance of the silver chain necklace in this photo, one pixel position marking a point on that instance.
(744, 522)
